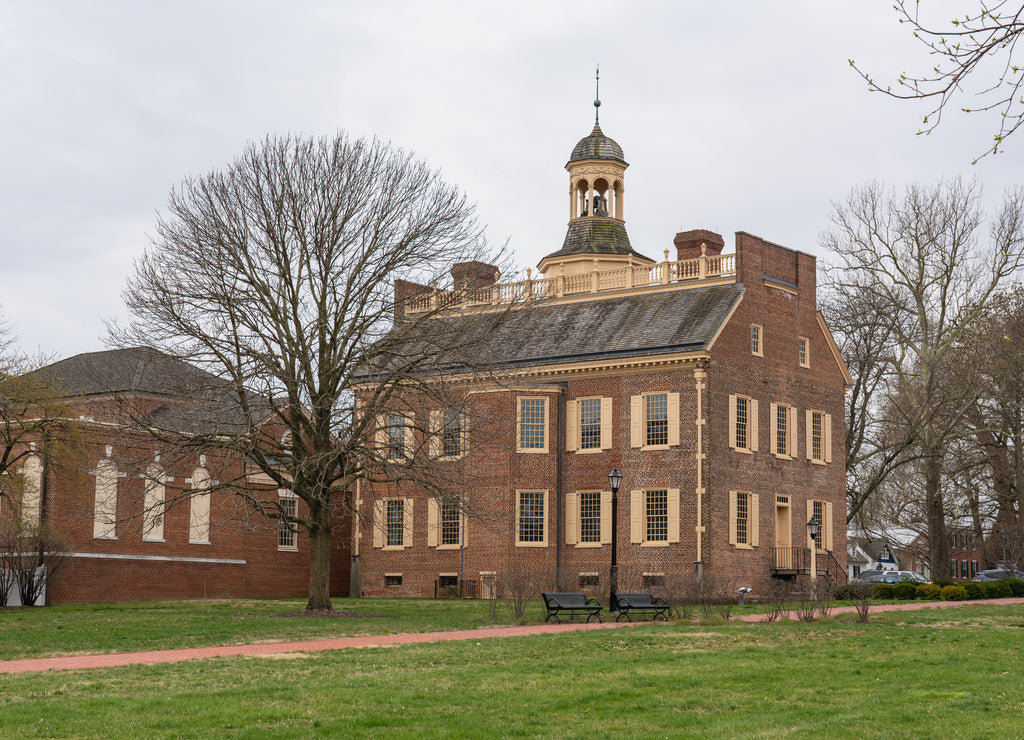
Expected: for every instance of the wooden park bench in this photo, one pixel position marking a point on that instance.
(571, 604)
(642, 603)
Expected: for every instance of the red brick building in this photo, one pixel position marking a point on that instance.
(709, 380)
(142, 519)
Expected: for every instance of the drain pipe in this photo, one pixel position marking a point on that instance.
(559, 447)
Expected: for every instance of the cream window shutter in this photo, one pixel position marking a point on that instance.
(636, 421)
(732, 517)
(572, 515)
(732, 422)
(808, 427)
(382, 432)
(827, 539)
(773, 428)
(378, 524)
(791, 431)
(752, 442)
(606, 517)
(636, 516)
(436, 424)
(433, 521)
(673, 419)
(606, 423)
(464, 420)
(572, 426)
(407, 534)
(810, 513)
(410, 438)
(753, 523)
(673, 515)
(827, 434)
(463, 521)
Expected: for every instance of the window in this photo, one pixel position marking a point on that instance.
(963, 569)
(804, 351)
(588, 425)
(287, 533)
(589, 579)
(743, 519)
(392, 579)
(199, 508)
(755, 340)
(654, 420)
(653, 580)
(819, 437)
(531, 519)
(153, 504)
(448, 434)
(974, 568)
(588, 518)
(654, 516)
(392, 523)
(532, 425)
(445, 523)
(822, 511)
(32, 477)
(742, 423)
(783, 430)
(104, 521)
(396, 437)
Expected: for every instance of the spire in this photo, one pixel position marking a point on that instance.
(597, 97)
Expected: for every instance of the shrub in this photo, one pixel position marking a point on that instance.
(885, 590)
(930, 591)
(954, 593)
(1000, 589)
(975, 590)
(853, 591)
(1016, 586)
(905, 591)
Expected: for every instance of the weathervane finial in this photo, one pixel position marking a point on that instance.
(597, 96)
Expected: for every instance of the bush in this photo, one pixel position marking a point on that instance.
(905, 591)
(930, 591)
(885, 590)
(976, 590)
(1016, 586)
(954, 593)
(1000, 589)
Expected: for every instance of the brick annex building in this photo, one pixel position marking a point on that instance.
(710, 381)
(143, 520)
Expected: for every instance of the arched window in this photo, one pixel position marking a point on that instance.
(153, 503)
(104, 521)
(32, 482)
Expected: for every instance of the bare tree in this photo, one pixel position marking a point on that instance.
(927, 269)
(973, 55)
(275, 275)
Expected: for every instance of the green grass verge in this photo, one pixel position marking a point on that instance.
(951, 673)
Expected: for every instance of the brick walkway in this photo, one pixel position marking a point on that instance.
(110, 660)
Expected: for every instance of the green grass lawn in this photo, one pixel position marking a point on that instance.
(943, 673)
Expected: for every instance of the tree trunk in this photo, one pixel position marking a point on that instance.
(319, 599)
(938, 543)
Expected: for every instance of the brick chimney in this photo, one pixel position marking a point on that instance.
(688, 243)
(405, 290)
(471, 275)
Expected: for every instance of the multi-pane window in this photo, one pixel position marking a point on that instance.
(816, 436)
(287, 536)
(590, 516)
(782, 430)
(590, 424)
(451, 520)
(451, 434)
(804, 352)
(755, 340)
(531, 517)
(819, 436)
(396, 436)
(742, 428)
(533, 413)
(395, 522)
(742, 518)
(656, 418)
(819, 514)
(656, 515)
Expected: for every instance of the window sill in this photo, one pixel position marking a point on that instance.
(740, 546)
(590, 451)
(199, 542)
(531, 544)
(589, 544)
(153, 539)
(656, 447)
(743, 450)
(287, 549)
(782, 457)
(105, 537)
(531, 451)
(392, 548)
(658, 543)
(449, 547)
(817, 462)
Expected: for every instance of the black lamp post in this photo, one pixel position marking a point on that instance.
(813, 527)
(614, 480)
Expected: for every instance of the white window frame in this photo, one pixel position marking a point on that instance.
(519, 425)
(638, 421)
(789, 451)
(826, 436)
(543, 542)
(803, 351)
(435, 526)
(752, 535)
(437, 434)
(752, 419)
(638, 517)
(574, 519)
(287, 532)
(757, 340)
(574, 425)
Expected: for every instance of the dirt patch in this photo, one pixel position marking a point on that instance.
(333, 613)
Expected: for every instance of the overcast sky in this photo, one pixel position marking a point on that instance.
(741, 116)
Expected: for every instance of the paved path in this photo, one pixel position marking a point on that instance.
(150, 657)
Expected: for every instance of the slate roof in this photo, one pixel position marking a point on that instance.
(615, 327)
(596, 236)
(596, 146)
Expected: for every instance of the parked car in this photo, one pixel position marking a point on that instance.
(997, 575)
(896, 576)
(866, 574)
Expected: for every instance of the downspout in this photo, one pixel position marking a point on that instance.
(354, 579)
(700, 377)
(560, 439)
(42, 511)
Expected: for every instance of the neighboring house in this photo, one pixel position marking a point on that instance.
(132, 511)
(857, 558)
(965, 556)
(710, 381)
